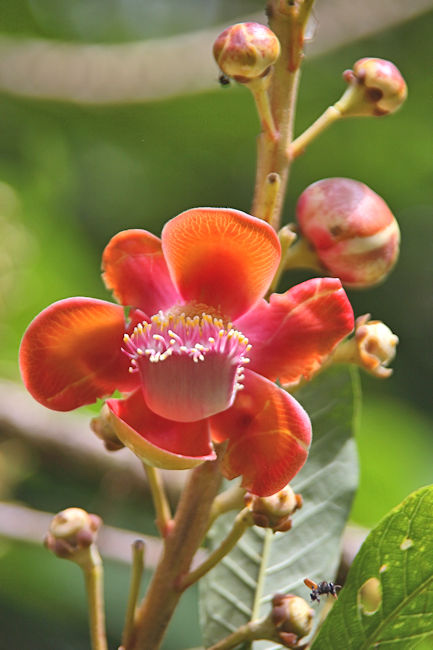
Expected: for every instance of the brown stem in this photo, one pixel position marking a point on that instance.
(273, 155)
(181, 543)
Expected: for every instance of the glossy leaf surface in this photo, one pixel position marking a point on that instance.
(387, 599)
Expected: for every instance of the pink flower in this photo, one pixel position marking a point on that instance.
(200, 350)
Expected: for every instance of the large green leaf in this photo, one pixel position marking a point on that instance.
(397, 561)
(241, 586)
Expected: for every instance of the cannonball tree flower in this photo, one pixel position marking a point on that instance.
(197, 318)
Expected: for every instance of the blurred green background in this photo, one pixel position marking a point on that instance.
(73, 175)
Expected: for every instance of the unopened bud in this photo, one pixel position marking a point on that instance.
(274, 511)
(376, 88)
(102, 426)
(376, 345)
(292, 617)
(71, 531)
(246, 51)
(351, 229)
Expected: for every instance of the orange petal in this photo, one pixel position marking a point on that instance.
(295, 332)
(269, 434)
(71, 353)
(156, 440)
(220, 257)
(135, 270)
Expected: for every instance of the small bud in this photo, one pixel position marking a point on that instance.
(352, 230)
(293, 618)
(103, 428)
(274, 511)
(72, 531)
(376, 88)
(246, 51)
(376, 345)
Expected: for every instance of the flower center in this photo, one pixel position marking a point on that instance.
(191, 366)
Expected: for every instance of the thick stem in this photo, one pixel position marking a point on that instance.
(162, 507)
(273, 155)
(181, 543)
(94, 580)
(242, 521)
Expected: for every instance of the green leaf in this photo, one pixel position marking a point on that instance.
(241, 587)
(397, 560)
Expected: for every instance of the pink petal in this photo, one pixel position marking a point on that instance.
(71, 353)
(220, 257)
(135, 270)
(269, 434)
(294, 333)
(157, 441)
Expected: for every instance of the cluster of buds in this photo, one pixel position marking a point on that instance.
(274, 511)
(351, 229)
(71, 533)
(246, 51)
(376, 88)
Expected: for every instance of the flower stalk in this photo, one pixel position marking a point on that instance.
(162, 508)
(242, 522)
(72, 536)
(138, 550)
(231, 499)
(298, 146)
(252, 631)
(258, 88)
(94, 581)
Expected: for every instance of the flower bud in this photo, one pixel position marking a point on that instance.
(102, 426)
(352, 230)
(376, 345)
(246, 51)
(72, 531)
(376, 87)
(293, 618)
(274, 511)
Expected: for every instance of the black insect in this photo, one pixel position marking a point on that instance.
(322, 589)
(224, 80)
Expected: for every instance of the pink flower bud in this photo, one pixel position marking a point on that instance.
(351, 229)
(376, 345)
(274, 511)
(292, 617)
(246, 51)
(72, 531)
(376, 87)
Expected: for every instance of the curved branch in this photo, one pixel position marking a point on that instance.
(155, 69)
